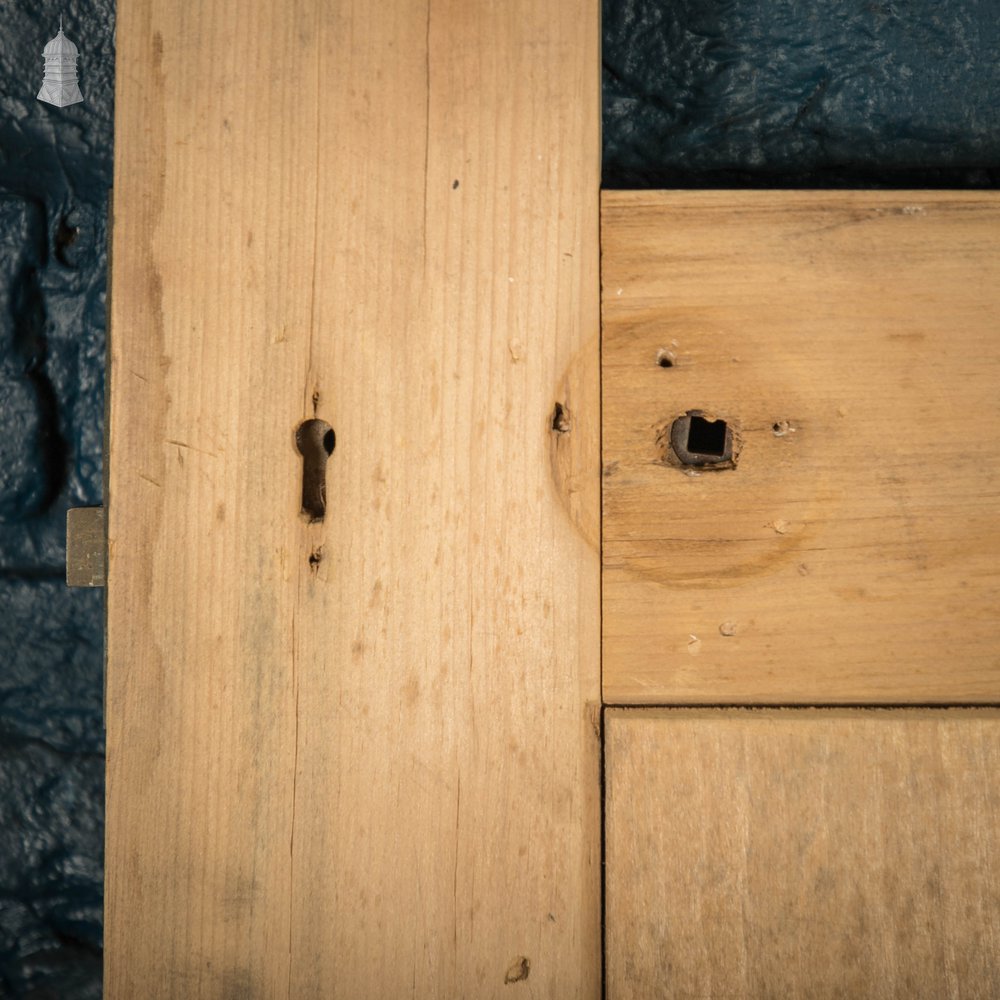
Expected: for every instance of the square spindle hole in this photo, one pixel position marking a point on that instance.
(706, 437)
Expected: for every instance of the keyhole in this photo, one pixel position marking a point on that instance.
(315, 440)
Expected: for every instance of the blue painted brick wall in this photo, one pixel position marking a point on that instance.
(55, 173)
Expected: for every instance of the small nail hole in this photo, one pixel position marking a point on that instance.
(780, 428)
(560, 419)
(665, 359)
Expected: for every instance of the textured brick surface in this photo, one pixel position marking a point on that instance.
(861, 93)
(55, 171)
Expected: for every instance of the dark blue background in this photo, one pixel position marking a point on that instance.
(55, 173)
(801, 93)
(743, 93)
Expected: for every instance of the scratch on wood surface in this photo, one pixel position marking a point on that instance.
(593, 710)
(854, 219)
(191, 447)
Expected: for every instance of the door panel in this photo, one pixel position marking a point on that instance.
(832, 534)
(325, 736)
(803, 853)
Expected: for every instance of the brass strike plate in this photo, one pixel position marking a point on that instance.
(86, 547)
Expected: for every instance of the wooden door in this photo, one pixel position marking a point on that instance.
(801, 507)
(354, 701)
(357, 756)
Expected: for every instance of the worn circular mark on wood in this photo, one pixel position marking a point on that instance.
(695, 526)
(573, 429)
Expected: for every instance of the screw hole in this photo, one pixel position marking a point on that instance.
(665, 359)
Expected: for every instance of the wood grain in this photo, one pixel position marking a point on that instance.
(853, 553)
(809, 853)
(354, 758)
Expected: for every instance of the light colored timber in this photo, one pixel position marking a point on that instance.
(853, 554)
(808, 853)
(354, 758)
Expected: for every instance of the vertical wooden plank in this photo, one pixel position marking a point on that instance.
(803, 853)
(357, 757)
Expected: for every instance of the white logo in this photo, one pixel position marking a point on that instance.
(59, 87)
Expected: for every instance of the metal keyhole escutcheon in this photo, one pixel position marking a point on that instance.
(315, 441)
